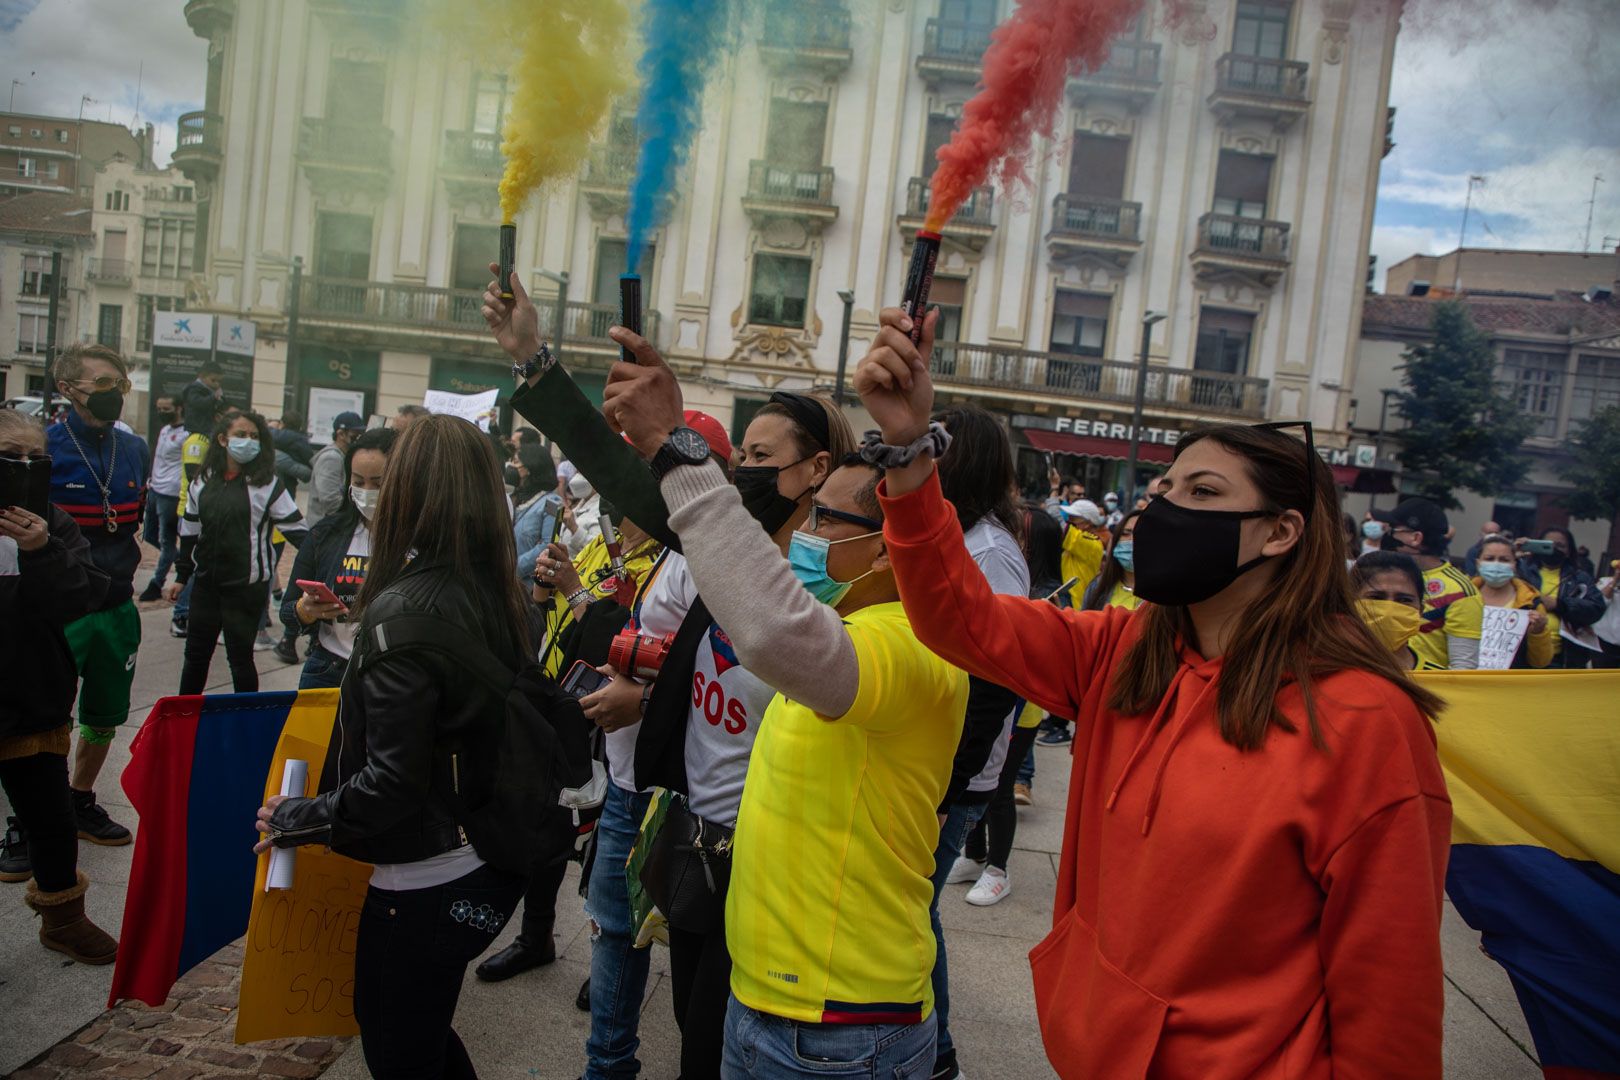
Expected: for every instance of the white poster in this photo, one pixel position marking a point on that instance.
(1500, 635)
(236, 336)
(182, 330)
(325, 404)
(474, 408)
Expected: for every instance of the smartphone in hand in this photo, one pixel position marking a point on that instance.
(319, 591)
(582, 679)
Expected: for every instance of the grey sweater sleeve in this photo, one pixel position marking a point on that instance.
(782, 634)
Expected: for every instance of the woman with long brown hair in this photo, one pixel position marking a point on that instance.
(441, 546)
(1258, 827)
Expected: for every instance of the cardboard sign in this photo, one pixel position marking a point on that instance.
(1501, 633)
(298, 965)
(474, 408)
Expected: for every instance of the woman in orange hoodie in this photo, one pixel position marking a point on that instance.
(1257, 831)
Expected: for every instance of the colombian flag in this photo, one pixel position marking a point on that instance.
(1532, 760)
(197, 777)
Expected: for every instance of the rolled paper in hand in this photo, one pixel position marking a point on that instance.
(294, 777)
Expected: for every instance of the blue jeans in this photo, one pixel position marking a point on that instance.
(959, 821)
(182, 606)
(763, 1047)
(322, 669)
(162, 524)
(618, 970)
(1026, 768)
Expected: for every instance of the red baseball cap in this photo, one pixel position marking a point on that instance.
(713, 433)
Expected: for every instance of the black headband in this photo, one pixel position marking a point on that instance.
(808, 413)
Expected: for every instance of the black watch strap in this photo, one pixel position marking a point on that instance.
(683, 447)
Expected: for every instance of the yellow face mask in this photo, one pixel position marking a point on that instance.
(1391, 622)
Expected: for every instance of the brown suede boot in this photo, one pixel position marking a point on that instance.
(65, 927)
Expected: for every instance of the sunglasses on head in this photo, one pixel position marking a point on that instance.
(1310, 458)
(106, 382)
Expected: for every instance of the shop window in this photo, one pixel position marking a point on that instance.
(781, 290)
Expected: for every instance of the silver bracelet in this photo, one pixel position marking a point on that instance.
(933, 442)
(580, 596)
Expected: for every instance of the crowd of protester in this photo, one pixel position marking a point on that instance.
(859, 648)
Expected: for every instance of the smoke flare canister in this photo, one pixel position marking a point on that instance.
(508, 257)
(920, 280)
(629, 310)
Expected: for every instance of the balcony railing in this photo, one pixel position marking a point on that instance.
(1249, 238)
(108, 269)
(1086, 215)
(355, 145)
(1282, 79)
(809, 24)
(1096, 379)
(199, 131)
(426, 307)
(975, 212)
(1131, 60)
(473, 151)
(780, 183)
(613, 166)
(958, 42)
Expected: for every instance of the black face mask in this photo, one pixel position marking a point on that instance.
(768, 506)
(1185, 556)
(105, 405)
(513, 477)
(1554, 558)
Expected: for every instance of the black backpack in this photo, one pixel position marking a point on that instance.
(530, 790)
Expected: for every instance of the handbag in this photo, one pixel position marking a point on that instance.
(688, 869)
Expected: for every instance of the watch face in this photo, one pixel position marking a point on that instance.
(689, 444)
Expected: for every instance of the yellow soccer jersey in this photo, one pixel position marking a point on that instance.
(1451, 608)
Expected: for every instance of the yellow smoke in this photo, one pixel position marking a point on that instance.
(568, 60)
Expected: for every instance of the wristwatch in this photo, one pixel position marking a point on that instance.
(683, 447)
(538, 364)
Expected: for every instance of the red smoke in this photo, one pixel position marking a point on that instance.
(1030, 58)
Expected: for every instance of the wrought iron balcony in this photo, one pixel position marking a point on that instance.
(1262, 88)
(813, 35)
(199, 144)
(108, 271)
(1108, 229)
(476, 153)
(952, 50)
(388, 306)
(972, 225)
(781, 191)
(1028, 372)
(1228, 243)
(1131, 75)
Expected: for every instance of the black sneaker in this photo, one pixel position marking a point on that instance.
(153, 591)
(582, 1000)
(177, 628)
(286, 650)
(95, 824)
(1058, 736)
(14, 861)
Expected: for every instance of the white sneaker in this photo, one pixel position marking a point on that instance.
(964, 870)
(263, 642)
(991, 888)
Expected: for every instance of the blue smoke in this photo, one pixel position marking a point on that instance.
(685, 39)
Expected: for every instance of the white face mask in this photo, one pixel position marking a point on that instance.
(365, 500)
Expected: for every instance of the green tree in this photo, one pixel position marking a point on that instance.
(1462, 432)
(1595, 470)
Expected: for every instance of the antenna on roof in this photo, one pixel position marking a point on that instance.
(1591, 204)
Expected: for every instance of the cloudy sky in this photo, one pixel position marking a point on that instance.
(1523, 92)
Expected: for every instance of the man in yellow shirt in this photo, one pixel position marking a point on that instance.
(1453, 613)
(1082, 546)
(827, 916)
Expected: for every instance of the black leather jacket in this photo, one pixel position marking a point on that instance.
(388, 770)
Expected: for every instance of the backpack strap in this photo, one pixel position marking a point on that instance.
(429, 633)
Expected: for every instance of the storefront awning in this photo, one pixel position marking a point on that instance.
(1062, 442)
(1364, 481)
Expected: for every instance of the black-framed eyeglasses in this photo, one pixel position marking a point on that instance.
(1310, 457)
(818, 512)
(104, 383)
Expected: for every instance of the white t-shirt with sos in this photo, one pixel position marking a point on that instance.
(662, 608)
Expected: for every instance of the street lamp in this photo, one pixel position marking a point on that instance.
(1148, 319)
(848, 298)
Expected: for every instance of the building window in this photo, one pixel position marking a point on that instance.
(1261, 29)
(182, 194)
(31, 330)
(26, 167)
(973, 12)
(1242, 186)
(1097, 168)
(117, 201)
(343, 246)
(1223, 341)
(167, 246)
(145, 306)
(611, 256)
(36, 275)
(939, 132)
(110, 325)
(489, 104)
(14, 131)
(1596, 387)
(1079, 322)
(796, 133)
(62, 136)
(51, 170)
(354, 93)
(781, 290)
(476, 247)
(950, 296)
(1536, 381)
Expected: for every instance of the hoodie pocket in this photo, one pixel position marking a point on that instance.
(1095, 1021)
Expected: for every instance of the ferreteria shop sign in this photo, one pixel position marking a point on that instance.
(1360, 456)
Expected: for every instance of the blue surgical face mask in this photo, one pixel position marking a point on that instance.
(1496, 573)
(1372, 530)
(807, 555)
(1124, 554)
(241, 449)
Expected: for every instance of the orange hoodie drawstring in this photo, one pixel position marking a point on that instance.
(1147, 734)
(1187, 720)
